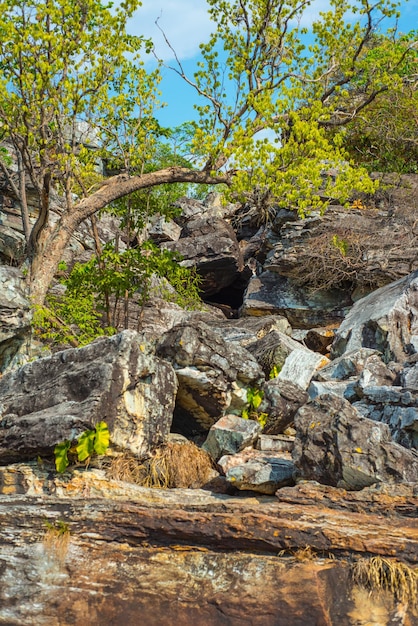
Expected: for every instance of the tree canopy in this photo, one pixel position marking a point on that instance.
(74, 90)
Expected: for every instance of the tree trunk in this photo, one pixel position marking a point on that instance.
(50, 250)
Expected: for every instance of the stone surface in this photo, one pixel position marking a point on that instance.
(250, 330)
(305, 251)
(229, 435)
(336, 446)
(385, 320)
(270, 293)
(281, 401)
(15, 315)
(116, 379)
(276, 443)
(193, 558)
(300, 366)
(272, 350)
(260, 471)
(213, 376)
(210, 245)
(349, 365)
(395, 406)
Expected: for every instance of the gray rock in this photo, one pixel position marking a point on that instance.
(213, 376)
(15, 315)
(350, 365)
(375, 373)
(211, 246)
(271, 294)
(230, 435)
(12, 244)
(262, 472)
(163, 230)
(342, 388)
(409, 378)
(250, 330)
(336, 446)
(275, 443)
(272, 350)
(115, 379)
(386, 320)
(281, 401)
(300, 366)
(395, 406)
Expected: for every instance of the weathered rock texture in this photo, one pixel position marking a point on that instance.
(210, 245)
(115, 379)
(336, 446)
(379, 239)
(153, 555)
(15, 315)
(271, 294)
(386, 320)
(213, 376)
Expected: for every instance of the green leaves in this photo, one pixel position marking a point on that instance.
(61, 456)
(90, 442)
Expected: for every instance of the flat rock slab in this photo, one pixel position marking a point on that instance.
(193, 558)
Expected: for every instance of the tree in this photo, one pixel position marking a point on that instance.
(384, 137)
(73, 89)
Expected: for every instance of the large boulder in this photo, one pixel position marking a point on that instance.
(210, 245)
(395, 406)
(115, 379)
(213, 376)
(230, 435)
(385, 320)
(15, 315)
(336, 446)
(272, 294)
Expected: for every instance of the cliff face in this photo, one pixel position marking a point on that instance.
(109, 553)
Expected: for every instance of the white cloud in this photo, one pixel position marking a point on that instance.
(186, 24)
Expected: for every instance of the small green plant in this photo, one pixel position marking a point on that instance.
(254, 400)
(90, 442)
(275, 371)
(340, 244)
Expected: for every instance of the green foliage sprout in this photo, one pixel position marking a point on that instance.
(254, 400)
(90, 442)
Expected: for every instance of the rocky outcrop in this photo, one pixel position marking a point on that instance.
(213, 376)
(116, 379)
(272, 294)
(385, 320)
(125, 551)
(356, 248)
(210, 245)
(336, 446)
(15, 315)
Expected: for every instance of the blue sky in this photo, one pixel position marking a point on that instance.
(186, 24)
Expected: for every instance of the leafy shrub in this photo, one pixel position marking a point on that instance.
(90, 442)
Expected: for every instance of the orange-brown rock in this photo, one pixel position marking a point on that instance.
(134, 555)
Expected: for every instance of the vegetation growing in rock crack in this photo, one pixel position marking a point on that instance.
(90, 442)
(383, 574)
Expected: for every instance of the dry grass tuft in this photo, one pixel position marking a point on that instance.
(381, 574)
(56, 540)
(171, 465)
